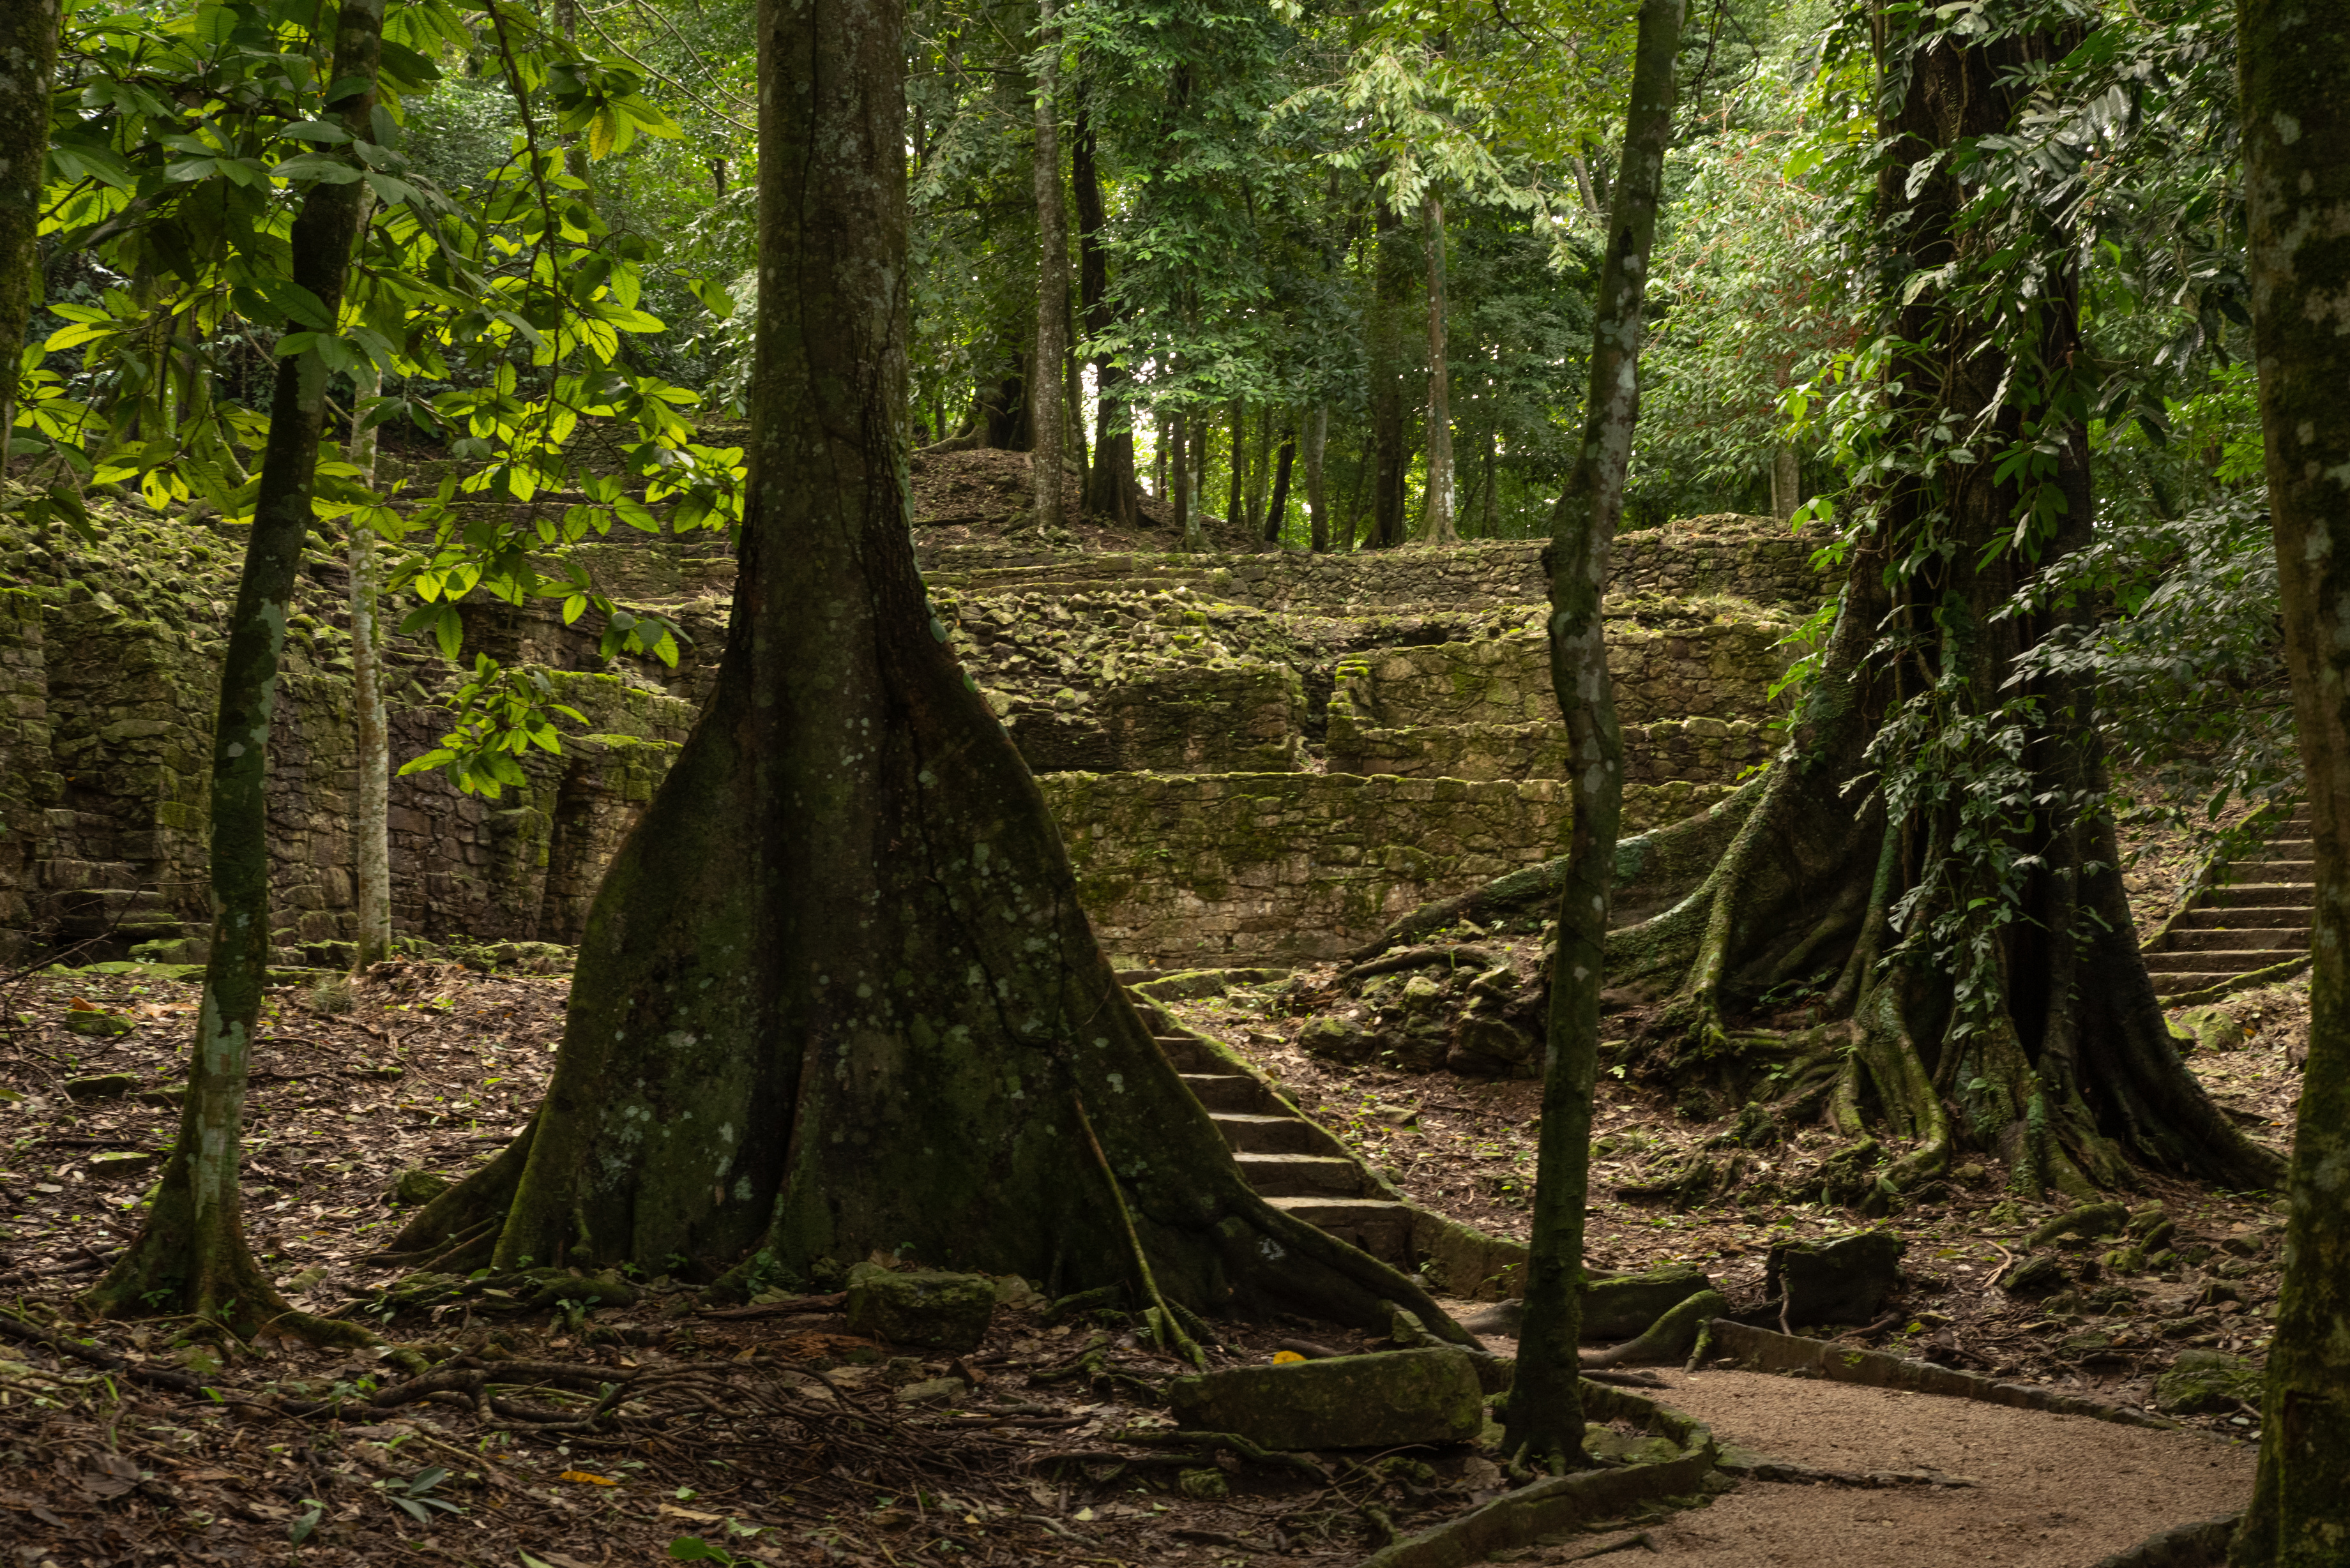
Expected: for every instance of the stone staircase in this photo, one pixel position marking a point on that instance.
(2249, 918)
(1294, 1164)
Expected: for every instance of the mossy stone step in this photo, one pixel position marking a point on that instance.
(2218, 939)
(1301, 1175)
(2260, 917)
(2259, 895)
(1191, 1055)
(1375, 1225)
(1229, 1092)
(1253, 1134)
(2235, 961)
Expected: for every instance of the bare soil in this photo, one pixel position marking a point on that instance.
(433, 1066)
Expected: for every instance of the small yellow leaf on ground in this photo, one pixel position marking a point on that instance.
(590, 1476)
(1279, 1357)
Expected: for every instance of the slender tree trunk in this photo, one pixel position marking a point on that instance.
(28, 59)
(372, 803)
(1276, 511)
(1236, 499)
(1175, 432)
(1493, 440)
(1047, 458)
(1261, 466)
(836, 992)
(1195, 467)
(2293, 60)
(1111, 484)
(1786, 482)
(192, 1258)
(1439, 529)
(1390, 443)
(1545, 1423)
(1317, 499)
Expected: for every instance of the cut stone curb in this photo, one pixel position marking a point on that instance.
(1561, 1502)
(1616, 1306)
(1380, 1401)
(2202, 1544)
(1762, 1350)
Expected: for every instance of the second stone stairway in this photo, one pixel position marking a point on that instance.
(2250, 917)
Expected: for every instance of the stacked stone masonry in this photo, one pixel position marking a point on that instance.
(1258, 756)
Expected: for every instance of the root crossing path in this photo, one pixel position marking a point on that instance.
(2048, 1492)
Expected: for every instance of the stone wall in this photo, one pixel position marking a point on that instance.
(109, 683)
(1261, 755)
(1722, 669)
(1180, 869)
(1735, 557)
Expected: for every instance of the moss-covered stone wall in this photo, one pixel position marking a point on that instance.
(108, 680)
(1209, 867)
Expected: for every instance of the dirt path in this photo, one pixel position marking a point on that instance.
(2051, 1492)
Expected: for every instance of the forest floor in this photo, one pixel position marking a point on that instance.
(431, 1066)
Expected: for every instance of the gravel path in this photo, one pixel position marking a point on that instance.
(2051, 1492)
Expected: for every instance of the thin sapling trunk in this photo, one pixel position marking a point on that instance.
(1545, 1421)
(192, 1258)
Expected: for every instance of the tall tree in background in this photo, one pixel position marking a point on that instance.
(1544, 1420)
(836, 991)
(28, 59)
(1111, 489)
(2293, 60)
(192, 1257)
(1047, 456)
(1438, 528)
(1390, 427)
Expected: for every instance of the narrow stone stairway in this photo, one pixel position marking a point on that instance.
(2249, 916)
(1296, 1166)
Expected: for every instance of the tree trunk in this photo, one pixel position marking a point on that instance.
(28, 59)
(1110, 485)
(1545, 1423)
(1277, 510)
(2293, 60)
(1390, 442)
(371, 731)
(1047, 461)
(836, 994)
(1493, 440)
(2064, 1079)
(1318, 499)
(1177, 434)
(1195, 468)
(1236, 501)
(1439, 527)
(1786, 482)
(192, 1258)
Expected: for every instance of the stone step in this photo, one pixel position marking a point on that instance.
(2166, 986)
(2279, 869)
(1301, 1175)
(1231, 1092)
(2282, 849)
(2223, 938)
(1375, 1225)
(1189, 1055)
(2250, 895)
(1247, 1134)
(2167, 967)
(2249, 917)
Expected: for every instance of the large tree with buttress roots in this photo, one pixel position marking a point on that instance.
(836, 994)
(1931, 856)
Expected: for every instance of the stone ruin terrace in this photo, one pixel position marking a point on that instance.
(1253, 755)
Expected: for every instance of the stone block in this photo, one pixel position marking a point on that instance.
(2204, 1382)
(937, 1311)
(1345, 1402)
(1842, 1280)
